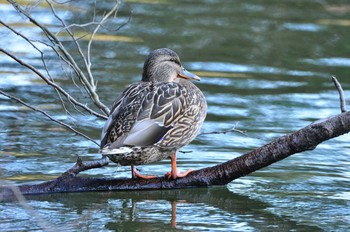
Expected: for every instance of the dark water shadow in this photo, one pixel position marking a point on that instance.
(156, 210)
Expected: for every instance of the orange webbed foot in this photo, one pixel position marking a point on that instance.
(174, 174)
(135, 174)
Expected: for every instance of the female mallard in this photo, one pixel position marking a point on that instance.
(152, 119)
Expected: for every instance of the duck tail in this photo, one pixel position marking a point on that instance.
(115, 151)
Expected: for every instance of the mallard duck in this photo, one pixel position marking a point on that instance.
(153, 118)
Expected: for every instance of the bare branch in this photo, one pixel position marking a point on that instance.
(225, 131)
(89, 85)
(21, 35)
(81, 76)
(42, 59)
(81, 165)
(54, 85)
(48, 116)
(114, 9)
(80, 25)
(99, 23)
(63, 2)
(49, 35)
(341, 94)
(65, 53)
(41, 55)
(122, 25)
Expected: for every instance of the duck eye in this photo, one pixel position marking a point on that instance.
(176, 61)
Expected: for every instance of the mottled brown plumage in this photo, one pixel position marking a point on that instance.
(155, 117)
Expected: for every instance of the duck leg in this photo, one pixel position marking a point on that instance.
(175, 173)
(135, 174)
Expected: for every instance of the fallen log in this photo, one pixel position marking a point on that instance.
(304, 139)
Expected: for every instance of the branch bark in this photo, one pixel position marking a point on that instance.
(304, 139)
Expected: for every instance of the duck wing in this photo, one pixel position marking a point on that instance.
(143, 114)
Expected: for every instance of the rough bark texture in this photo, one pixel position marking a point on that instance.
(304, 139)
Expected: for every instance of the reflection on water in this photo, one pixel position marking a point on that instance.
(203, 209)
(265, 69)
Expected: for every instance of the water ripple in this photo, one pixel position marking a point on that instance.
(302, 27)
(331, 61)
(229, 67)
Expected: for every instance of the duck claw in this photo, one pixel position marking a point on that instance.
(174, 174)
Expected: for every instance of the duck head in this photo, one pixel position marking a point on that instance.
(163, 65)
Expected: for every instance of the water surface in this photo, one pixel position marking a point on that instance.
(265, 69)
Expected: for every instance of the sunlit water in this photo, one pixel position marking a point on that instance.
(265, 69)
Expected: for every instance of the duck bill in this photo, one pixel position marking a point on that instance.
(187, 75)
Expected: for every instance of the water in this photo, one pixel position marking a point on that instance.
(265, 69)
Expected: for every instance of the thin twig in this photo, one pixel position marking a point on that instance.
(341, 94)
(88, 65)
(83, 80)
(89, 86)
(48, 116)
(225, 131)
(79, 25)
(54, 85)
(64, 52)
(124, 24)
(98, 23)
(31, 42)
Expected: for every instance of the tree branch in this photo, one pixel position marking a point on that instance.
(341, 94)
(88, 61)
(42, 59)
(81, 165)
(89, 85)
(233, 129)
(304, 139)
(67, 56)
(53, 84)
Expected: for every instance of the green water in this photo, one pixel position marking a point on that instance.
(265, 69)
